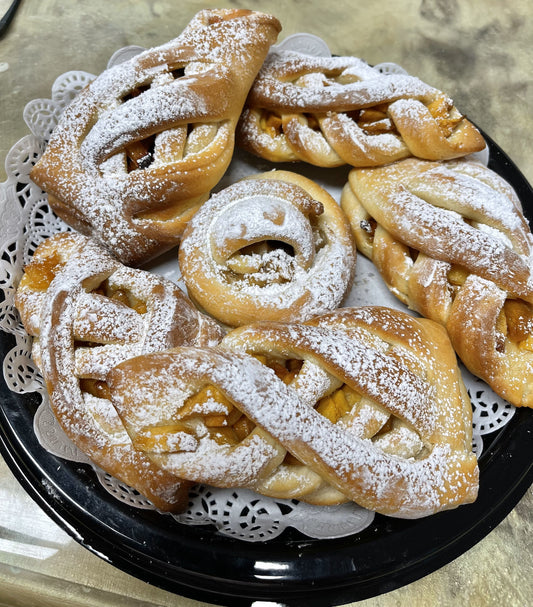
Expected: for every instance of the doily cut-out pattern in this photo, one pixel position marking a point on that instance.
(305, 43)
(251, 517)
(27, 220)
(122, 492)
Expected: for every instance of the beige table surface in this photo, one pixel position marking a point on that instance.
(479, 52)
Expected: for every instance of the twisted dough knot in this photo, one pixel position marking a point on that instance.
(330, 111)
(87, 313)
(139, 149)
(275, 246)
(451, 242)
(359, 404)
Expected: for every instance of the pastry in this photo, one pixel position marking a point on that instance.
(330, 111)
(140, 148)
(275, 246)
(88, 312)
(451, 242)
(357, 404)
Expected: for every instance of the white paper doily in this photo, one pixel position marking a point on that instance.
(27, 221)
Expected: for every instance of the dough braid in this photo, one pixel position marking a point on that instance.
(139, 149)
(88, 312)
(451, 242)
(330, 111)
(358, 404)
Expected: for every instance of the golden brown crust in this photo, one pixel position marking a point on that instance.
(88, 312)
(400, 444)
(275, 246)
(451, 242)
(330, 111)
(140, 148)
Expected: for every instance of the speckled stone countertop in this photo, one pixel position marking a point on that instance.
(479, 52)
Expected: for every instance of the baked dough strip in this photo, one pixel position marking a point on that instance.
(150, 392)
(451, 242)
(330, 111)
(140, 148)
(93, 313)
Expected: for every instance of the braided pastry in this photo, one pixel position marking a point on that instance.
(450, 241)
(275, 246)
(330, 111)
(87, 313)
(358, 404)
(140, 148)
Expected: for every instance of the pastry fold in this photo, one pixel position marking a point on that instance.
(87, 312)
(451, 242)
(330, 111)
(358, 404)
(275, 246)
(140, 148)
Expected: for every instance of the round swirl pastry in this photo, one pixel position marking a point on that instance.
(140, 148)
(87, 312)
(330, 111)
(451, 241)
(358, 404)
(275, 246)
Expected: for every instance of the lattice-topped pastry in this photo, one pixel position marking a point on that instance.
(275, 246)
(140, 148)
(87, 313)
(330, 111)
(359, 404)
(450, 241)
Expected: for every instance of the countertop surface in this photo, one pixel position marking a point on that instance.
(478, 52)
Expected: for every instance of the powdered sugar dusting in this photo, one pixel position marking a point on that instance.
(329, 111)
(83, 334)
(440, 211)
(382, 378)
(310, 277)
(477, 201)
(115, 167)
(373, 478)
(252, 219)
(352, 84)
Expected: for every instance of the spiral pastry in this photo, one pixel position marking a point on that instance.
(451, 242)
(140, 148)
(365, 405)
(330, 111)
(275, 246)
(88, 312)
